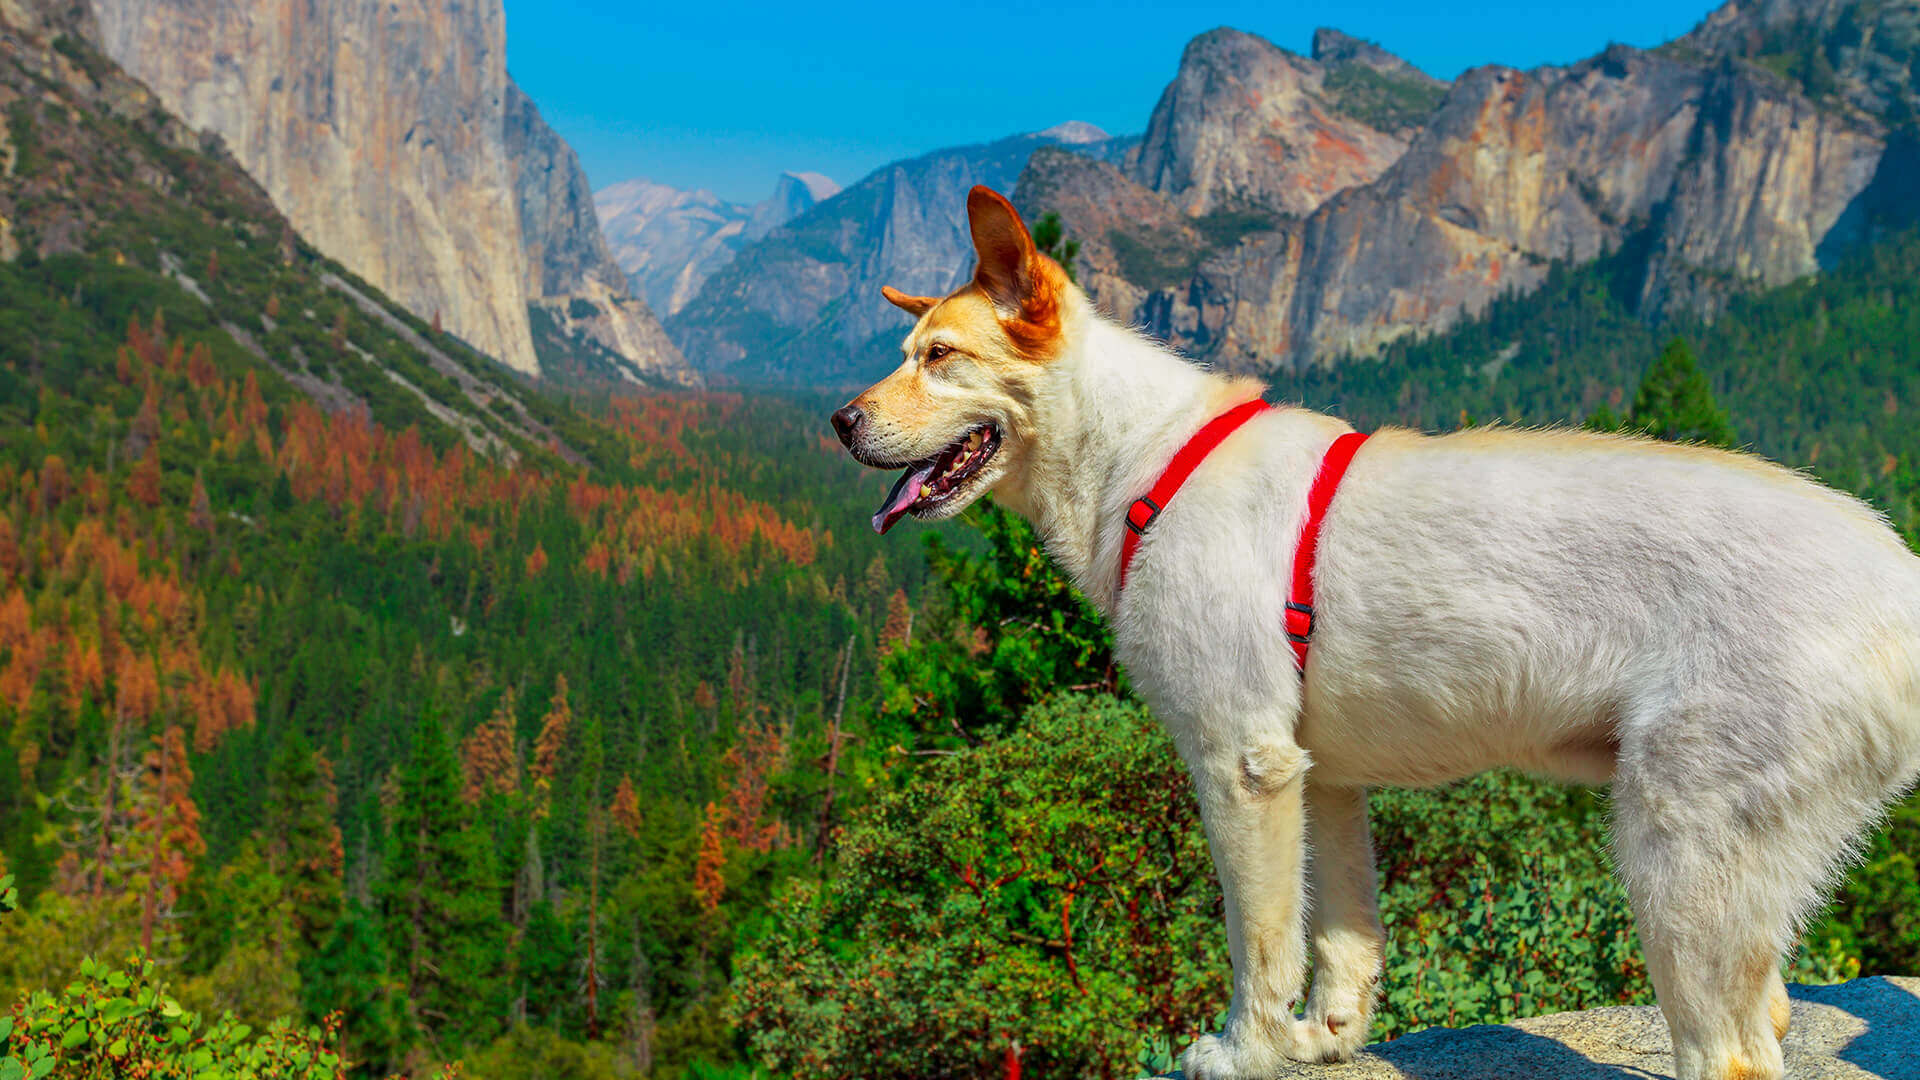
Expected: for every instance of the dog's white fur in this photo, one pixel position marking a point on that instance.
(1734, 646)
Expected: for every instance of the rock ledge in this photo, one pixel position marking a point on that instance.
(1867, 1028)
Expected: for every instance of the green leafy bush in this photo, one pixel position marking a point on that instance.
(1047, 894)
(117, 1022)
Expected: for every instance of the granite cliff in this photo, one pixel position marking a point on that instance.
(669, 241)
(392, 137)
(136, 213)
(1719, 160)
(1246, 125)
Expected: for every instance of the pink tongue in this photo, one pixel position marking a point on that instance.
(905, 492)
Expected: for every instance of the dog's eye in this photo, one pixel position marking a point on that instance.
(936, 353)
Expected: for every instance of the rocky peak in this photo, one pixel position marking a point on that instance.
(1248, 126)
(793, 194)
(1333, 49)
(1857, 52)
(669, 241)
(1073, 133)
(803, 303)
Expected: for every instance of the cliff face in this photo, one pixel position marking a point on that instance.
(96, 169)
(1722, 171)
(570, 272)
(803, 304)
(1247, 125)
(383, 131)
(669, 241)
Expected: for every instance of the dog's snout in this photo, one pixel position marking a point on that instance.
(846, 422)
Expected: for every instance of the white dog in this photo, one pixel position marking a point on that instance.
(1734, 647)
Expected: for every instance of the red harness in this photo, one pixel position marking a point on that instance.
(1146, 509)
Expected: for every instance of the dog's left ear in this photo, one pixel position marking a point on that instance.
(1004, 247)
(915, 306)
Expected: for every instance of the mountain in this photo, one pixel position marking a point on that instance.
(670, 241)
(803, 303)
(115, 210)
(1246, 125)
(585, 319)
(393, 138)
(1758, 149)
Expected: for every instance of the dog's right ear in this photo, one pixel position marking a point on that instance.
(1004, 247)
(1024, 285)
(915, 306)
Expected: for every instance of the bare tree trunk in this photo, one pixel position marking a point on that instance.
(112, 775)
(833, 753)
(153, 859)
(593, 933)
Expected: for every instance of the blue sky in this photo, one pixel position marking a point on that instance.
(725, 94)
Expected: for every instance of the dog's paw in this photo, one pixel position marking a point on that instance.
(1333, 1036)
(1227, 1056)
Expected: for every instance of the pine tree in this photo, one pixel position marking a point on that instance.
(1050, 236)
(546, 965)
(1676, 404)
(440, 898)
(303, 840)
(348, 975)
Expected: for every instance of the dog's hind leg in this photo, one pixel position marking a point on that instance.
(1347, 938)
(1251, 802)
(1716, 887)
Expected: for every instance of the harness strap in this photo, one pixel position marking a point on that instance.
(1147, 509)
(1299, 618)
(1143, 512)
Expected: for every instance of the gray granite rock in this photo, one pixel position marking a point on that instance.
(1867, 1029)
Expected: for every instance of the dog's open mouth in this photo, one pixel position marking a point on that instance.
(927, 484)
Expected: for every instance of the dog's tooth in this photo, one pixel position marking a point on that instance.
(926, 490)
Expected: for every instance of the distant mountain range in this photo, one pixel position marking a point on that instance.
(1279, 210)
(795, 305)
(670, 241)
(1284, 210)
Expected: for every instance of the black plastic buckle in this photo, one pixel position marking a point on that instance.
(1307, 610)
(1153, 514)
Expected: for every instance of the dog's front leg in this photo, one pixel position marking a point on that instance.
(1347, 938)
(1251, 804)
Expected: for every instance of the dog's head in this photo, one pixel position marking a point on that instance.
(957, 415)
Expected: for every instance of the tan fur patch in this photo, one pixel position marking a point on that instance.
(1780, 1010)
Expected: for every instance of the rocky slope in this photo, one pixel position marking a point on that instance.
(1717, 166)
(669, 241)
(1867, 1029)
(803, 304)
(392, 137)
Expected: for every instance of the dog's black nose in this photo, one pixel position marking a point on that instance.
(846, 422)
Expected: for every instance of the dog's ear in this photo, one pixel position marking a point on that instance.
(1004, 247)
(915, 306)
